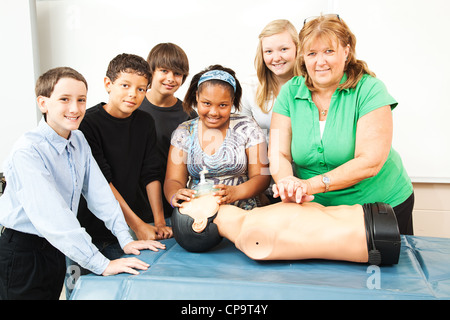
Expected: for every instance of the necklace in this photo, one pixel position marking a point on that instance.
(323, 107)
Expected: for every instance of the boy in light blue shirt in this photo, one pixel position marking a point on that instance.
(47, 171)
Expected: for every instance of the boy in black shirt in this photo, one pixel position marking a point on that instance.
(169, 67)
(123, 142)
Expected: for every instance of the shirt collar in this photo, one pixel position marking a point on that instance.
(304, 93)
(58, 142)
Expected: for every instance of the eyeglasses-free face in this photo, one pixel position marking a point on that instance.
(325, 62)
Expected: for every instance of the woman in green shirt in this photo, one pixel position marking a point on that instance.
(334, 124)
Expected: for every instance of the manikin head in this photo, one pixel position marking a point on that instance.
(193, 226)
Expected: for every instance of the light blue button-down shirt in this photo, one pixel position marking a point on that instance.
(46, 175)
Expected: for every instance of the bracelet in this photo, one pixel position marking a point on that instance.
(171, 199)
(326, 181)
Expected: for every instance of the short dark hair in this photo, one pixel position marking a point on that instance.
(129, 63)
(168, 56)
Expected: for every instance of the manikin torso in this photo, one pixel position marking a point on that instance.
(287, 231)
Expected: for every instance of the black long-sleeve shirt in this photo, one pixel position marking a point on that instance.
(126, 152)
(167, 119)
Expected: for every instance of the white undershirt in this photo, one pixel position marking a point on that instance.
(322, 127)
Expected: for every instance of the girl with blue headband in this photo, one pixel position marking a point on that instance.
(229, 150)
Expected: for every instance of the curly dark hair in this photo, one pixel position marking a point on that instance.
(129, 63)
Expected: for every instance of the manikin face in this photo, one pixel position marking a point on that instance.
(126, 94)
(325, 62)
(279, 53)
(66, 106)
(200, 209)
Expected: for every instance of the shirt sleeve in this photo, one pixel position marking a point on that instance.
(181, 136)
(40, 197)
(254, 133)
(282, 102)
(373, 95)
(102, 202)
(152, 166)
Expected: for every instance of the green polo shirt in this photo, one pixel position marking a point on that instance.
(314, 155)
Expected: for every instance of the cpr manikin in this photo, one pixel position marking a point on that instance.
(291, 231)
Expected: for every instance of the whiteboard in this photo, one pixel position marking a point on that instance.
(405, 42)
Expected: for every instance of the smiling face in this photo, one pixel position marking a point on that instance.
(214, 103)
(166, 81)
(325, 62)
(126, 94)
(66, 106)
(279, 53)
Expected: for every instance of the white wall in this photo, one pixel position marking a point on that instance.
(403, 41)
(19, 69)
(87, 34)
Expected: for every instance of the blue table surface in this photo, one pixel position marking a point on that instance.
(225, 273)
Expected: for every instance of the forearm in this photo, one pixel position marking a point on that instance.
(280, 158)
(171, 186)
(280, 167)
(346, 175)
(131, 218)
(372, 148)
(155, 199)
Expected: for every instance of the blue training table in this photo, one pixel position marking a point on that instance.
(225, 273)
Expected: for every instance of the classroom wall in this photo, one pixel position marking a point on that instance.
(20, 67)
(431, 215)
(403, 41)
(400, 40)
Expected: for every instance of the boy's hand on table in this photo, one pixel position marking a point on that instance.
(129, 265)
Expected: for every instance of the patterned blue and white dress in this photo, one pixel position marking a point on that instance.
(228, 165)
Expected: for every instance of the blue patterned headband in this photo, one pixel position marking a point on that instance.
(218, 75)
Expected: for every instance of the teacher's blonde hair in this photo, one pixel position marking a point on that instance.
(334, 30)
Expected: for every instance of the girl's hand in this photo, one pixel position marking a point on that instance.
(183, 195)
(227, 194)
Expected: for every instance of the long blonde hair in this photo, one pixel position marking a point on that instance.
(331, 28)
(268, 85)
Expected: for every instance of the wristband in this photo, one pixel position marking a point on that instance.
(171, 199)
